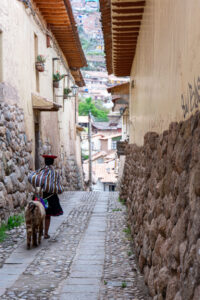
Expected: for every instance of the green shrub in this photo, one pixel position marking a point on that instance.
(85, 157)
(15, 221)
(3, 235)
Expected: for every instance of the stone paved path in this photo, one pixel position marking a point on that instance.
(88, 256)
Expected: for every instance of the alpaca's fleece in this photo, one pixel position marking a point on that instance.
(34, 216)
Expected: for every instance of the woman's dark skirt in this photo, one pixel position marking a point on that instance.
(54, 208)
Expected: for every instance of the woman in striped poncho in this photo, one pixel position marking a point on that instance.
(54, 207)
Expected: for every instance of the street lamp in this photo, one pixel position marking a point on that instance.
(121, 110)
(74, 89)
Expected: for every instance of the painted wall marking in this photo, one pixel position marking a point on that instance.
(191, 102)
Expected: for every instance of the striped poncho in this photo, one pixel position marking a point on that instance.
(47, 179)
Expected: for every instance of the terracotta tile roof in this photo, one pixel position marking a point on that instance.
(107, 125)
(59, 19)
(121, 21)
(111, 136)
(101, 172)
(96, 156)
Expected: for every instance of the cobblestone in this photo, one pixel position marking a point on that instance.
(121, 278)
(14, 238)
(63, 246)
(86, 257)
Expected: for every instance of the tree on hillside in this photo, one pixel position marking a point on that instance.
(88, 105)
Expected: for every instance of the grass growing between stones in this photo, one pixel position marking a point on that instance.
(130, 253)
(124, 284)
(13, 221)
(122, 201)
(127, 231)
(117, 209)
(3, 235)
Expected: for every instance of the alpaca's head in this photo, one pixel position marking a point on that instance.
(31, 206)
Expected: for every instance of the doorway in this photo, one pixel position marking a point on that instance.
(37, 139)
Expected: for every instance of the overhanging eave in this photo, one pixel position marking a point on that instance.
(42, 104)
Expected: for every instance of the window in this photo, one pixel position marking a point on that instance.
(100, 160)
(111, 188)
(114, 145)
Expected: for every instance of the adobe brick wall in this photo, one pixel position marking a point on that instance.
(161, 183)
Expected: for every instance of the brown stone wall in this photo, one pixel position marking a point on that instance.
(161, 184)
(15, 160)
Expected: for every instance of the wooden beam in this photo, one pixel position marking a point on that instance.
(128, 11)
(126, 29)
(48, 1)
(127, 18)
(126, 39)
(57, 5)
(128, 3)
(133, 23)
(125, 34)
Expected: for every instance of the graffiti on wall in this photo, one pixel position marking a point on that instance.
(191, 101)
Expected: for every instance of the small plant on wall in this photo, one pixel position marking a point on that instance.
(66, 92)
(39, 64)
(56, 78)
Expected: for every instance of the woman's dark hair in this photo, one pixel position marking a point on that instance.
(49, 161)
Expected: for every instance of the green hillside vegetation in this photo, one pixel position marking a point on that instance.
(86, 105)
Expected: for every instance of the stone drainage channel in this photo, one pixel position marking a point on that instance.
(88, 256)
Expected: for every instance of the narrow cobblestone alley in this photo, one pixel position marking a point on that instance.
(87, 257)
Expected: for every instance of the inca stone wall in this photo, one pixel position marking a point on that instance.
(161, 184)
(73, 178)
(15, 160)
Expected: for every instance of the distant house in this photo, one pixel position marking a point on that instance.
(104, 171)
(110, 142)
(83, 121)
(107, 128)
(95, 140)
(120, 99)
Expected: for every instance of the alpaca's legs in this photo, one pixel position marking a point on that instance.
(29, 233)
(34, 237)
